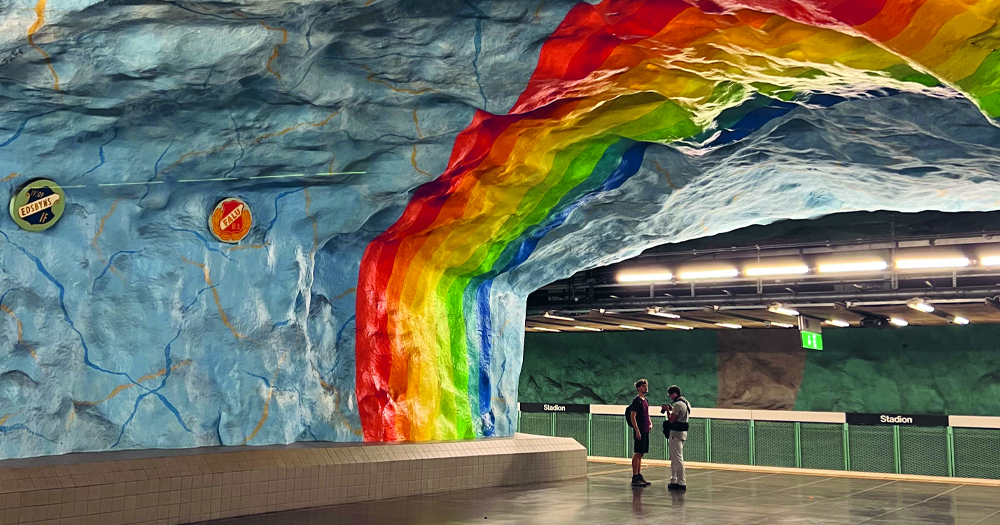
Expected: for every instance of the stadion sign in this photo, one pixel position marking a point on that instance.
(906, 420)
(555, 407)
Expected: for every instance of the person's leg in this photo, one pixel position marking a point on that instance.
(676, 463)
(636, 460)
(681, 480)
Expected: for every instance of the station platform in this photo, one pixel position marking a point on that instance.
(713, 497)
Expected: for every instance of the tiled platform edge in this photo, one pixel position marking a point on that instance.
(188, 486)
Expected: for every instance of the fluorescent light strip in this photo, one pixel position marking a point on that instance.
(960, 320)
(589, 329)
(729, 325)
(784, 311)
(921, 307)
(644, 277)
(665, 314)
(993, 260)
(868, 266)
(680, 327)
(912, 264)
(782, 325)
(837, 323)
(630, 327)
(777, 270)
(898, 322)
(709, 274)
(559, 317)
(543, 329)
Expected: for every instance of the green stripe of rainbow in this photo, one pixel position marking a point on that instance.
(613, 75)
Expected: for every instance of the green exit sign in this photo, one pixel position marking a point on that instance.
(812, 340)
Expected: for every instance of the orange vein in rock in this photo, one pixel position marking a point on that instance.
(248, 247)
(8, 177)
(195, 153)
(336, 402)
(267, 402)
(121, 388)
(20, 330)
(413, 156)
(413, 160)
(274, 54)
(293, 128)
(665, 174)
(8, 416)
(345, 294)
(215, 293)
(257, 140)
(39, 22)
(372, 78)
(100, 229)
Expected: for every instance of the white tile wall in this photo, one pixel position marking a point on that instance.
(213, 483)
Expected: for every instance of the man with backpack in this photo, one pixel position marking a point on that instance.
(637, 417)
(677, 423)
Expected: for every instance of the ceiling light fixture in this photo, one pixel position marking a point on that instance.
(960, 320)
(729, 325)
(777, 308)
(722, 273)
(588, 328)
(679, 327)
(630, 327)
(660, 313)
(782, 325)
(550, 315)
(645, 277)
(946, 262)
(543, 329)
(837, 322)
(920, 305)
(859, 266)
(765, 271)
(898, 322)
(992, 260)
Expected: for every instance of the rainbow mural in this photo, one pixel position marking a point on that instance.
(612, 79)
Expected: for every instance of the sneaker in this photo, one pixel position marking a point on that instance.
(643, 480)
(676, 486)
(637, 481)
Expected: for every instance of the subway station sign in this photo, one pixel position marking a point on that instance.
(904, 420)
(812, 340)
(555, 407)
(38, 205)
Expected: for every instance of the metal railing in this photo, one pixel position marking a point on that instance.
(961, 446)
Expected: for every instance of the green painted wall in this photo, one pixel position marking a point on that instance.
(601, 368)
(917, 370)
(921, 370)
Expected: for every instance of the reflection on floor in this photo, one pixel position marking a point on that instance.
(713, 497)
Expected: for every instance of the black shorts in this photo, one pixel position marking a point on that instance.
(641, 444)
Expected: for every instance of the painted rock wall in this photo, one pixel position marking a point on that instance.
(415, 169)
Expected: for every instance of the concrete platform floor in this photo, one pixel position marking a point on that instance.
(713, 497)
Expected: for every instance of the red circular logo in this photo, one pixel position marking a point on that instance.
(231, 220)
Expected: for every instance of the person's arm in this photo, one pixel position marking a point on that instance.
(635, 426)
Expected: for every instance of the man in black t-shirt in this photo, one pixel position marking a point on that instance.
(641, 424)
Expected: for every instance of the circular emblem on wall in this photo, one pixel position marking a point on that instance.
(38, 205)
(231, 220)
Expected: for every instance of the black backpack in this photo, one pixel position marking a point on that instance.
(628, 413)
(678, 426)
